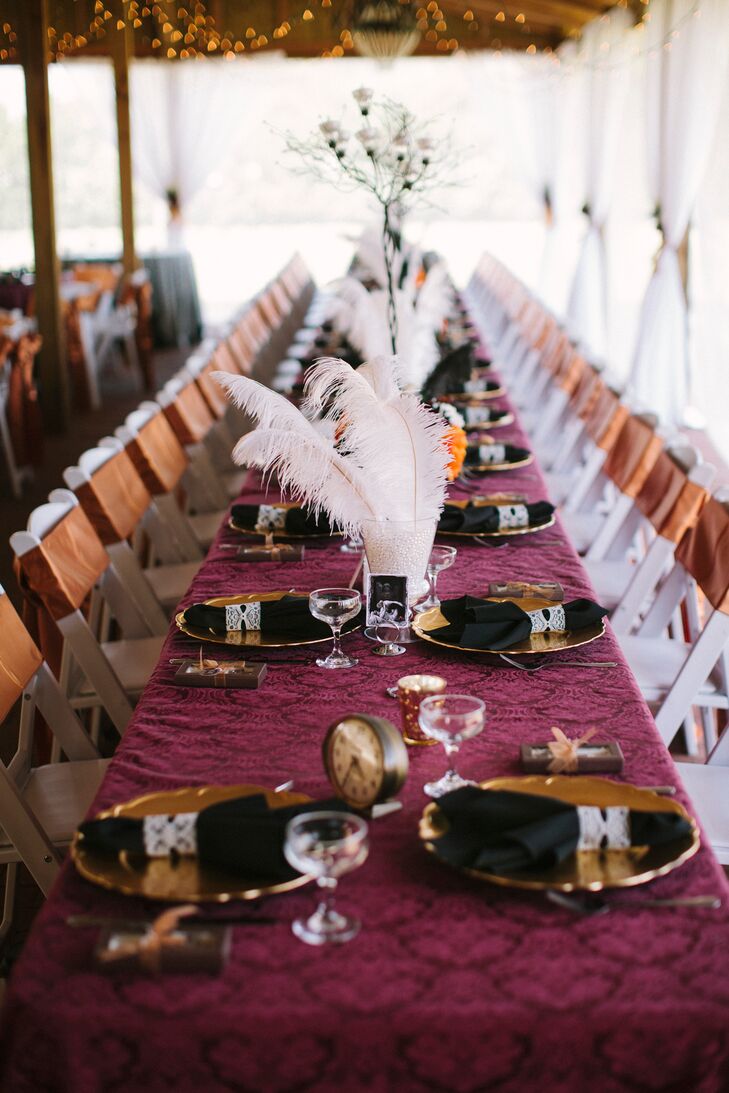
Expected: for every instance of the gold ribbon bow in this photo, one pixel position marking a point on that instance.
(564, 751)
(159, 936)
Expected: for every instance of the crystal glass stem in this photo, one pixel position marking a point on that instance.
(451, 750)
(336, 635)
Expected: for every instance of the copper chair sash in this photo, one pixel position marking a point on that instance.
(158, 456)
(571, 373)
(115, 499)
(211, 391)
(586, 393)
(704, 553)
(633, 456)
(660, 492)
(224, 360)
(19, 656)
(63, 569)
(244, 346)
(189, 415)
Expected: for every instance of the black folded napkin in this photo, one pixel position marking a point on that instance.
(485, 624)
(451, 373)
(297, 521)
(483, 518)
(242, 835)
(483, 415)
(288, 617)
(502, 831)
(484, 454)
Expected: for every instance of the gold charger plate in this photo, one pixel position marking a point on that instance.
(251, 638)
(282, 536)
(483, 467)
(586, 870)
(184, 880)
(486, 426)
(472, 398)
(481, 502)
(549, 641)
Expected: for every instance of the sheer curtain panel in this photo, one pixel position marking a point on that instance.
(687, 67)
(605, 57)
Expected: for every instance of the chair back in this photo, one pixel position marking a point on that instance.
(154, 449)
(675, 491)
(633, 454)
(110, 491)
(60, 556)
(704, 552)
(186, 410)
(210, 389)
(20, 658)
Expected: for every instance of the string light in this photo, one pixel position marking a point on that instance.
(190, 31)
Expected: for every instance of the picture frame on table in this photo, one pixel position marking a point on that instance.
(389, 588)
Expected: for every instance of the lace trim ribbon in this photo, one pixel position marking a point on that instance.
(271, 518)
(603, 828)
(492, 453)
(547, 618)
(513, 516)
(243, 616)
(163, 834)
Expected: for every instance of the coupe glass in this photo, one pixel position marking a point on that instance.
(335, 606)
(441, 557)
(451, 719)
(326, 845)
(387, 628)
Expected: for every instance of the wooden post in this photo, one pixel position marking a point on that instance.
(52, 358)
(122, 50)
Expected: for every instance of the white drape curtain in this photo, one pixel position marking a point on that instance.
(604, 53)
(184, 125)
(563, 117)
(684, 89)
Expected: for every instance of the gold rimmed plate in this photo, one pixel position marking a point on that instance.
(585, 870)
(252, 638)
(482, 502)
(277, 535)
(484, 427)
(506, 466)
(550, 641)
(473, 398)
(184, 879)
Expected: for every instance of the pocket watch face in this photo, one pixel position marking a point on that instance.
(355, 761)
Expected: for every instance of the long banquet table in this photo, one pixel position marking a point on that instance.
(452, 985)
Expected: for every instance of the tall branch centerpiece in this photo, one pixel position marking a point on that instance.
(391, 156)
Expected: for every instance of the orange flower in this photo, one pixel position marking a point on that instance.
(457, 444)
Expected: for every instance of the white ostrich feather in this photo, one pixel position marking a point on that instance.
(390, 436)
(389, 462)
(307, 464)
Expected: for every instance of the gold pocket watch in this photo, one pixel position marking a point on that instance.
(365, 758)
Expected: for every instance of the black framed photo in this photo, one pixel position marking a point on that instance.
(391, 591)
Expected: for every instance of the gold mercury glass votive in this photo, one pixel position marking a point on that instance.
(411, 690)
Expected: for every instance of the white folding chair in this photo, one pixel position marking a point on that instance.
(40, 806)
(64, 564)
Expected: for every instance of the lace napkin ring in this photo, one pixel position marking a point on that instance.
(492, 453)
(243, 616)
(513, 516)
(603, 828)
(547, 618)
(164, 833)
(271, 518)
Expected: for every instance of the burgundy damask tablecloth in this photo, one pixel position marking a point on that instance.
(452, 985)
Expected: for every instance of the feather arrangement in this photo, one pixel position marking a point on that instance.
(388, 457)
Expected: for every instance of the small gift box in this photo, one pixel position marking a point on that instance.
(164, 946)
(572, 756)
(224, 674)
(524, 590)
(284, 552)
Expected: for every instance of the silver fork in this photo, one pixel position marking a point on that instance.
(593, 904)
(559, 664)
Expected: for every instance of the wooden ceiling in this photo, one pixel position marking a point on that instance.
(300, 28)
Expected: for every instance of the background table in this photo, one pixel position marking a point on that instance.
(452, 985)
